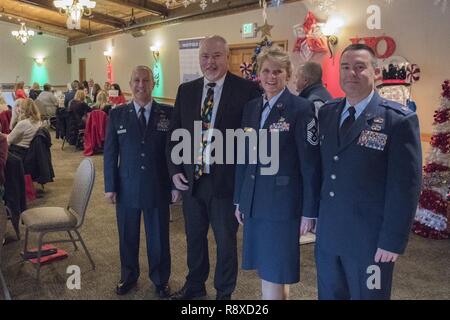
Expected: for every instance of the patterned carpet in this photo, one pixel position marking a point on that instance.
(422, 273)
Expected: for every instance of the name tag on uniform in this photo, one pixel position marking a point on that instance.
(121, 131)
(372, 140)
(248, 129)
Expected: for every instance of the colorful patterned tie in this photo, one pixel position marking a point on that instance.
(206, 115)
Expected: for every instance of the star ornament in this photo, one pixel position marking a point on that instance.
(265, 30)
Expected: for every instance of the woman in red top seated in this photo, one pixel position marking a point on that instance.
(5, 116)
(120, 99)
(19, 93)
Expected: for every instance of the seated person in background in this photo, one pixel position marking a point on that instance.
(3, 156)
(48, 99)
(107, 86)
(309, 84)
(95, 91)
(87, 98)
(85, 85)
(120, 99)
(5, 116)
(102, 102)
(15, 113)
(35, 91)
(70, 94)
(19, 139)
(19, 93)
(78, 110)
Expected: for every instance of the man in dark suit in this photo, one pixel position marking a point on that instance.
(71, 94)
(137, 180)
(215, 101)
(309, 84)
(371, 165)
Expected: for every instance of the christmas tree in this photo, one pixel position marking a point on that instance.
(265, 42)
(431, 216)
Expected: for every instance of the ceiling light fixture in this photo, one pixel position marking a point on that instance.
(74, 9)
(23, 34)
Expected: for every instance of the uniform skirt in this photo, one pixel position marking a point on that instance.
(272, 248)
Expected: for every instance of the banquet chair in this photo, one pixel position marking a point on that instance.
(69, 219)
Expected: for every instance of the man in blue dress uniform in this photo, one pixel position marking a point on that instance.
(371, 169)
(137, 180)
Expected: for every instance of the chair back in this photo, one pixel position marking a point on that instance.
(82, 189)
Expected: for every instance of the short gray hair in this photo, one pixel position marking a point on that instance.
(216, 38)
(312, 72)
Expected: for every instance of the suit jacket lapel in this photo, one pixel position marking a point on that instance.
(197, 98)
(224, 99)
(361, 123)
(133, 120)
(330, 129)
(277, 108)
(151, 125)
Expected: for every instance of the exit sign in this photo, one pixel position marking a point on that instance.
(249, 30)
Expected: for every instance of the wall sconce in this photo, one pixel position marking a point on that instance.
(155, 51)
(108, 55)
(39, 60)
(330, 30)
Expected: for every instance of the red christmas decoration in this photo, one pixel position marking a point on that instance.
(433, 167)
(431, 216)
(309, 39)
(441, 116)
(446, 89)
(441, 141)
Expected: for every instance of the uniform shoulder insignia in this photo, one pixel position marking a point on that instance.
(397, 107)
(333, 101)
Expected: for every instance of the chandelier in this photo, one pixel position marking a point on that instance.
(23, 35)
(74, 9)
(203, 3)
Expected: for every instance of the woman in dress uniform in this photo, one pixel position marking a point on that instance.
(276, 208)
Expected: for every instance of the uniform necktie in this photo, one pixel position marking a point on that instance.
(264, 114)
(348, 121)
(206, 115)
(142, 120)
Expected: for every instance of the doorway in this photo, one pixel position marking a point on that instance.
(82, 69)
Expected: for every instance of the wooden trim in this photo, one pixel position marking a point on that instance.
(248, 45)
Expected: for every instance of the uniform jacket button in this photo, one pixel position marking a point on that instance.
(331, 194)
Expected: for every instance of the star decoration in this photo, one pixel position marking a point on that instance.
(265, 30)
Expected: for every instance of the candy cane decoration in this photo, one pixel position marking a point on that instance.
(412, 73)
(246, 68)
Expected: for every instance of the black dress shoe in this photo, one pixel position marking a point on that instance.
(123, 287)
(186, 293)
(163, 291)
